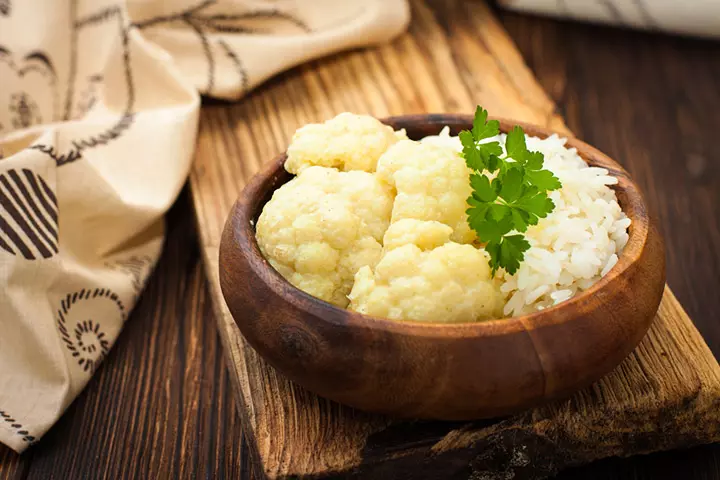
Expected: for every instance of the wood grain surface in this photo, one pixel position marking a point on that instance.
(454, 56)
(662, 126)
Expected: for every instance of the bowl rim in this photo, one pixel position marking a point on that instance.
(633, 205)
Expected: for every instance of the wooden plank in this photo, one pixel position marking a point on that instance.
(454, 56)
(12, 465)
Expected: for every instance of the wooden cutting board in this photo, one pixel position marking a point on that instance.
(455, 55)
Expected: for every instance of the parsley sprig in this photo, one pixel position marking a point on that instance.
(511, 201)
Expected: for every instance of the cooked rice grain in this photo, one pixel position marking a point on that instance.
(576, 244)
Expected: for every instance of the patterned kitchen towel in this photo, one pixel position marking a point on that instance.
(98, 115)
(689, 17)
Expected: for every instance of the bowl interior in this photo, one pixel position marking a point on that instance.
(419, 126)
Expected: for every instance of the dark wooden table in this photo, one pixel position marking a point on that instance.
(161, 405)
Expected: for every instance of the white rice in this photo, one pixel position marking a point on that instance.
(575, 245)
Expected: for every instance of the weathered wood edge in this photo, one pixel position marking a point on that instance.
(230, 337)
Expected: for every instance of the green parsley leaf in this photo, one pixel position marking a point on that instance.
(473, 159)
(477, 214)
(499, 212)
(481, 127)
(493, 249)
(482, 188)
(512, 250)
(542, 179)
(536, 206)
(511, 184)
(533, 160)
(480, 120)
(492, 230)
(520, 218)
(497, 184)
(512, 201)
(515, 144)
(490, 148)
(493, 163)
(490, 152)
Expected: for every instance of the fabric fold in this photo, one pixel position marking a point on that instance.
(99, 107)
(698, 18)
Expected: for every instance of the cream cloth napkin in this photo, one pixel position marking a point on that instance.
(690, 17)
(98, 116)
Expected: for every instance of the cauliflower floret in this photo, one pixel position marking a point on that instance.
(450, 283)
(321, 227)
(443, 139)
(432, 183)
(424, 235)
(346, 142)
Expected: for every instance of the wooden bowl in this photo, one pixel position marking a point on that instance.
(450, 372)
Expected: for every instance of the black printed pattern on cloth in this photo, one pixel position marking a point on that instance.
(83, 336)
(136, 266)
(239, 67)
(23, 108)
(645, 12)
(209, 57)
(73, 61)
(201, 24)
(193, 18)
(126, 118)
(88, 96)
(613, 11)
(60, 159)
(28, 215)
(10, 421)
(241, 23)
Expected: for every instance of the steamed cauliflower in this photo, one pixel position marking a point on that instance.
(443, 139)
(425, 235)
(428, 279)
(346, 142)
(320, 228)
(432, 183)
(378, 221)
